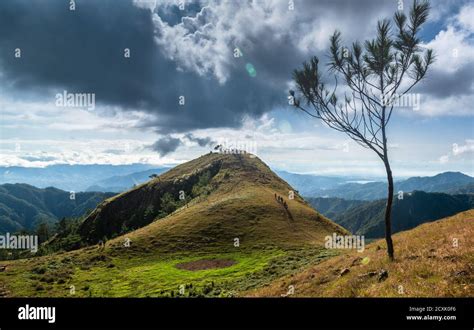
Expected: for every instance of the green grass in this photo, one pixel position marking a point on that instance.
(157, 275)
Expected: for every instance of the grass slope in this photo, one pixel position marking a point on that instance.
(428, 263)
(241, 205)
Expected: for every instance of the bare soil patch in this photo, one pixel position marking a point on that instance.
(206, 264)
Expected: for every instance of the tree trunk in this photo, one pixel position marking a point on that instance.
(388, 212)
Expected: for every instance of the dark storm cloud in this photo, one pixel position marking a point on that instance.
(79, 50)
(166, 145)
(442, 84)
(202, 142)
(82, 51)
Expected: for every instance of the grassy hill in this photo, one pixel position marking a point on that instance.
(414, 209)
(237, 201)
(428, 263)
(229, 234)
(23, 207)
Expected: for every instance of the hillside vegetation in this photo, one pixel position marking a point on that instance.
(331, 207)
(24, 207)
(432, 260)
(414, 209)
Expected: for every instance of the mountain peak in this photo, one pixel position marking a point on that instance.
(211, 199)
(453, 174)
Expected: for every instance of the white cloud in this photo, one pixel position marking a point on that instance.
(453, 49)
(442, 9)
(147, 4)
(47, 116)
(42, 134)
(459, 151)
(462, 149)
(43, 152)
(444, 159)
(205, 43)
(449, 106)
(466, 17)
(450, 77)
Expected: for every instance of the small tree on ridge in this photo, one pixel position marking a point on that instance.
(377, 74)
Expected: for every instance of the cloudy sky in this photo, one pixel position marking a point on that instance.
(167, 86)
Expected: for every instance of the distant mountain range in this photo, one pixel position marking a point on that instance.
(320, 186)
(121, 183)
(118, 178)
(367, 217)
(331, 207)
(23, 207)
(355, 205)
(70, 177)
(309, 185)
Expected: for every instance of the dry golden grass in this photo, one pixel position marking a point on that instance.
(432, 260)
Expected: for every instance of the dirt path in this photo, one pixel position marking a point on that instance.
(206, 264)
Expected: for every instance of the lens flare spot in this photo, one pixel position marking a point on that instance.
(251, 70)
